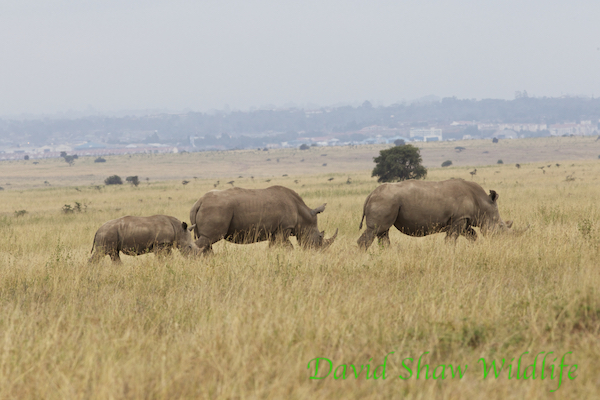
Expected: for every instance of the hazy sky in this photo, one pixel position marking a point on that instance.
(57, 55)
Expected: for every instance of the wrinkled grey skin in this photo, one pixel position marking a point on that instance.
(254, 215)
(420, 208)
(141, 235)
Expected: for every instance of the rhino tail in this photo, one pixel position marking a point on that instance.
(193, 213)
(364, 210)
(94, 242)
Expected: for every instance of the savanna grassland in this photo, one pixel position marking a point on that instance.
(246, 321)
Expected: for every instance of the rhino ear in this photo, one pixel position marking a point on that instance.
(191, 228)
(184, 226)
(318, 210)
(493, 195)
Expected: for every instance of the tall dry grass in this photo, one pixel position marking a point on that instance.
(245, 322)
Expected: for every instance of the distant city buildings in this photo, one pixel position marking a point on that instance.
(426, 134)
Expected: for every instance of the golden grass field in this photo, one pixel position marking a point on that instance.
(245, 322)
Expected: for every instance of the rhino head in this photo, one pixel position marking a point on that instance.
(492, 223)
(185, 243)
(309, 235)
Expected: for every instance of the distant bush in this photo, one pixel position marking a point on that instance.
(113, 180)
(459, 148)
(399, 142)
(133, 180)
(304, 146)
(20, 213)
(495, 140)
(500, 162)
(99, 159)
(26, 158)
(78, 207)
(447, 163)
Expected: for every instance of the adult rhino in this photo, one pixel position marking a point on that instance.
(141, 235)
(420, 208)
(254, 215)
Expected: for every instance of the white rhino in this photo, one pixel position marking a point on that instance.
(141, 235)
(420, 208)
(254, 215)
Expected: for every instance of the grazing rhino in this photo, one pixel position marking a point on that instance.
(254, 215)
(420, 208)
(140, 235)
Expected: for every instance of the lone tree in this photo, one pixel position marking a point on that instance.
(398, 164)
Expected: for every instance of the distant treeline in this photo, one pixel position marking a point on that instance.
(287, 123)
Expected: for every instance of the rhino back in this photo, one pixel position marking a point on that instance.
(431, 205)
(144, 232)
(229, 212)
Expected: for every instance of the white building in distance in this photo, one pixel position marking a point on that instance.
(428, 134)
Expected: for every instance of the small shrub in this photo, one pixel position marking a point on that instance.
(399, 142)
(20, 213)
(304, 146)
(133, 180)
(500, 162)
(585, 228)
(26, 158)
(78, 207)
(99, 159)
(495, 140)
(113, 180)
(447, 163)
(459, 148)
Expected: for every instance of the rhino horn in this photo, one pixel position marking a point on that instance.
(191, 228)
(329, 242)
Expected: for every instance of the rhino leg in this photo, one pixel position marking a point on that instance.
(366, 239)
(97, 256)
(383, 239)
(281, 238)
(114, 256)
(470, 234)
(205, 244)
(162, 250)
(461, 227)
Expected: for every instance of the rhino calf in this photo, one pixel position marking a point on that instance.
(254, 215)
(141, 235)
(420, 208)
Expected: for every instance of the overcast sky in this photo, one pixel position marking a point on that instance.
(59, 55)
